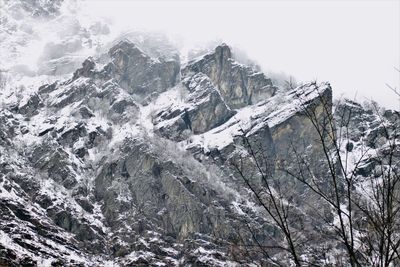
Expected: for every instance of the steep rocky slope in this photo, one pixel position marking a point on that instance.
(128, 161)
(88, 176)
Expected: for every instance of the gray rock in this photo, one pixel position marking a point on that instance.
(30, 107)
(160, 191)
(72, 91)
(239, 85)
(47, 88)
(121, 105)
(138, 73)
(211, 110)
(87, 69)
(88, 178)
(203, 110)
(71, 135)
(297, 130)
(85, 204)
(55, 162)
(85, 112)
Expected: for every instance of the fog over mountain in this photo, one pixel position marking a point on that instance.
(341, 42)
(205, 133)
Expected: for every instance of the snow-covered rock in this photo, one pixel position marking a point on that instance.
(126, 162)
(239, 85)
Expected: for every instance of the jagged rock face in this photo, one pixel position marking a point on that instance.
(216, 85)
(138, 73)
(212, 110)
(160, 191)
(238, 84)
(155, 45)
(282, 116)
(133, 70)
(97, 191)
(297, 131)
(203, 109)
(128, 162)
(23, 23)
(372, 132)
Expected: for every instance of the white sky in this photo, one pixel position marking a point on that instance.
(352, 44)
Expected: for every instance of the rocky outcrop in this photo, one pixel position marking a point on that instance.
(283, 116)
(294, 130)
(31, 105)
(371, 130)
(203, 109)
(239, 85)
(130, 163)
(138, 73)
(131, 69)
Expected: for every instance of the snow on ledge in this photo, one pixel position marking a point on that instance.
(251, 119)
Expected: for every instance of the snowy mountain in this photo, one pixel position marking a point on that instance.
(128, 158)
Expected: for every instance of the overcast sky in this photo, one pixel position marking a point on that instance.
(352, 44)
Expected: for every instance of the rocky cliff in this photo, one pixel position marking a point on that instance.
(128, 161)
(100, 167)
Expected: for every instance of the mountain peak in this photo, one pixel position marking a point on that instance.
(126, 47)
(240, 85)
(131, 162)
(223, 51)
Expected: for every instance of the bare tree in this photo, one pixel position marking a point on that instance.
(380, 204)
(256, 169)
(361, 189)
(368, 221)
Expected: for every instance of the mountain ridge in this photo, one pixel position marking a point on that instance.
(126, 163)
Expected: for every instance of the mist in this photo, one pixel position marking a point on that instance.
(352, 44)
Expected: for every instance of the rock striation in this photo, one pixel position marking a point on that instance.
(202, 109)
(239, 85)
(127, 163)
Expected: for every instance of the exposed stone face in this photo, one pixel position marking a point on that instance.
(212, 111)
(85, 112)
(85, 172)
(138, 73)
(54, 162)
(119, 194)
(239, 85)
(87, 69)
(160, 191)
(370, 130)
(71, 92)
(29, 108)
(203, 109)
(298, 131)
(129, 68)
